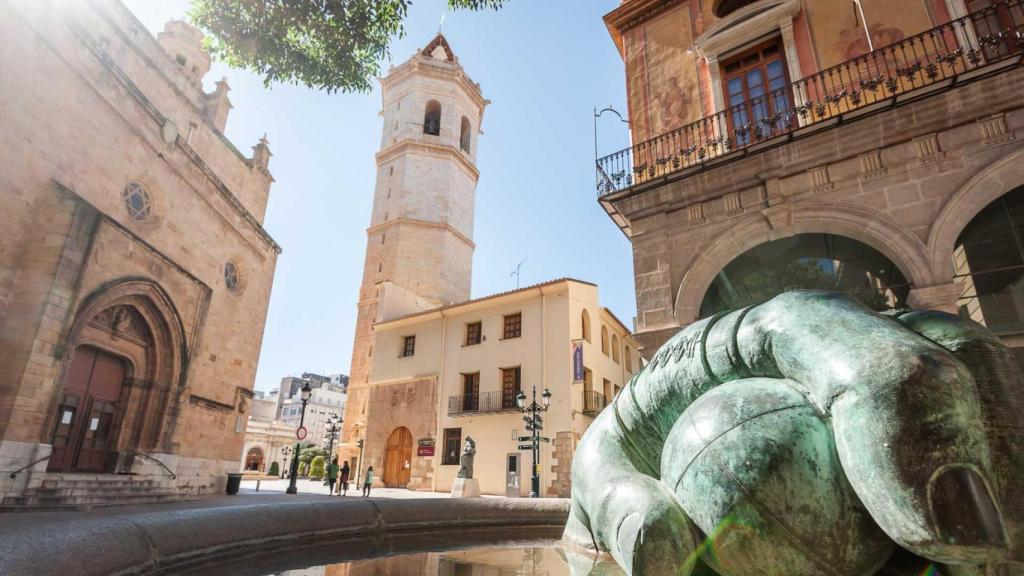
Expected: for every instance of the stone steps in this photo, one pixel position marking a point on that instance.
(83, 491)
(38, 503)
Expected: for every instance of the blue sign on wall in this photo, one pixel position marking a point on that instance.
(577, 361)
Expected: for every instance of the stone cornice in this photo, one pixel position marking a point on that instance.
(425, 66)
(746, 24)
(633, 13)
(402, 146)
(425, 223)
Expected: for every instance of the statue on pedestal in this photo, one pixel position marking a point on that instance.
(811, 435)
(466, 470)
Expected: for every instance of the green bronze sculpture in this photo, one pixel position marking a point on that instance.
(810, 435)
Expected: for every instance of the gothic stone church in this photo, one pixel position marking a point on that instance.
(134, 268)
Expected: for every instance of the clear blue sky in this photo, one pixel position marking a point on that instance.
(544, 65)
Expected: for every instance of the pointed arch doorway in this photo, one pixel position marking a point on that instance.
(398, 458)
(88, 412)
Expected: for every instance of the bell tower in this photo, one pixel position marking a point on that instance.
(420, 238)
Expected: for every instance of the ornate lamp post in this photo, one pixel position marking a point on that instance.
(306, 393)
(287, 451)
(534, 423)
(332, 428)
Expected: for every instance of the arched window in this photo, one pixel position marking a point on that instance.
(989, 264)
(615, 347)
(464, 138)
(723, 8)
(432, 118)
(604, 340)
(585, 324)
(811, 261)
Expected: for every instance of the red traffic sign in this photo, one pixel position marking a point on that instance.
(300, 432)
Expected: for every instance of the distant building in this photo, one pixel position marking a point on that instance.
(135, 271)
(452, 372)
(323, 403)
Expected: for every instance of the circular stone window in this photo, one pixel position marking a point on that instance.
(137, 201)
(231, 279)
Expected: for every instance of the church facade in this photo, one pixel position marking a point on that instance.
(135, 272)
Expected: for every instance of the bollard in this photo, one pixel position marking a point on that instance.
(257, 485)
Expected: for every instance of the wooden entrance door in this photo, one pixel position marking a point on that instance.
(83, 435)
(398, 459)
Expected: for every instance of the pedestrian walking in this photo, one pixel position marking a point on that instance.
(332, 473)
(368, 482)
(343, 479)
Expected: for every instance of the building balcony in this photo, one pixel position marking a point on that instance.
(593, 402)
(481, 403)
(966, 49)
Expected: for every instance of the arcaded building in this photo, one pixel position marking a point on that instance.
(867, 147)
(134, 268)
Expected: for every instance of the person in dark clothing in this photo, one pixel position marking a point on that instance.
(343, 479)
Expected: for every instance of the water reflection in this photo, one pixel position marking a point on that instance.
(546, 560)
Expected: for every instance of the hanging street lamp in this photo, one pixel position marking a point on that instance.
(534, 424)
(300, 433)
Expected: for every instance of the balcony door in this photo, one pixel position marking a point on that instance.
(756, 90)
(990, 18)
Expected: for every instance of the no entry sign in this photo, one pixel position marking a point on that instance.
(300, 432)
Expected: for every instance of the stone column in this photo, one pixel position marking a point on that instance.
(935, 297)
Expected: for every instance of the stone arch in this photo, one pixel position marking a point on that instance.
(986, 186)
(432, 118)
(157, 371)
(871, 227)
(254, 459)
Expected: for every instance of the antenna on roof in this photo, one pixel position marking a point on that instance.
(515, 272)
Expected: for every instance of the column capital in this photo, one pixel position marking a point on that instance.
(936, 297)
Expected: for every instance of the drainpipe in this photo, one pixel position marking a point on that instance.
(544, 373)
(440, 401)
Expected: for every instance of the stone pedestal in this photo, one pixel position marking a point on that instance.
(466, 488)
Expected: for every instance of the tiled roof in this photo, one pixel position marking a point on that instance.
(489, 297)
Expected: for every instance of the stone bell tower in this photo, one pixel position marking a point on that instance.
(420, 238)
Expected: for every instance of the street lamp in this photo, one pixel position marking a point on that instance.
(306, 393)
(534, 423)
(287, 450)
(333, 427)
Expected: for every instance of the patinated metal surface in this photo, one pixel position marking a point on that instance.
(810, 435)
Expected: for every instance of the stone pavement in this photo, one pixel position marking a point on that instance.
(317, 487)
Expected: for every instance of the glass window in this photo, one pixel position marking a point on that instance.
(137, 201)
(231, 276)
(511, 384)
(408, 346)
(989, 262)
(807, 261)
(513, 326)
(474, 331)
(452, 446)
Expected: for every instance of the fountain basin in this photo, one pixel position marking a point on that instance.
(166, 541)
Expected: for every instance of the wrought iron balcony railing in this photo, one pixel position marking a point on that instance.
(961, 50)
(593, 402)
(482, 403)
